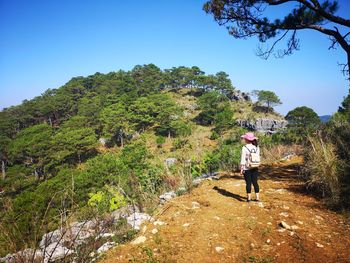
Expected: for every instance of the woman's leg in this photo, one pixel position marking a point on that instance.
(248, 183)
(255, 174)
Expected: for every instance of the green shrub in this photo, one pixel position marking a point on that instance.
(214, 135)
(107, 201)
(160, 141)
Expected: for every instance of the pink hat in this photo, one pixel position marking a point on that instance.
(249, 136)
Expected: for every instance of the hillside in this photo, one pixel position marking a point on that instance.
(213, 223)
(108, 136)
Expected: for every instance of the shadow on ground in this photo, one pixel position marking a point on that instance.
(284, 173)
(229, 194)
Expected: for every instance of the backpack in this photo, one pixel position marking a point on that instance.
(253, 158)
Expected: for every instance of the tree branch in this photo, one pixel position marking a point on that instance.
(266, 54)
(329, 16)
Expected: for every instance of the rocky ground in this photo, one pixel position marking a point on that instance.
(214, 223)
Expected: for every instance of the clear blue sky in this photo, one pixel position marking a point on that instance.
(43, 44)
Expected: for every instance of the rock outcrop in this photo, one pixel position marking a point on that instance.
(237, 95)
(136, 219)
(166, 197)
(265, 125)
(63, 243)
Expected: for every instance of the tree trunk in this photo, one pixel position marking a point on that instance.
(347, 69)
(36, 174)
(79, 158)
(3, 169)
(50, 121)
(121, 141)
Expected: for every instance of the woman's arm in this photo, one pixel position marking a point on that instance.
(243, 159)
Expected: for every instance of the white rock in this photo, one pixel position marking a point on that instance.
(278, 244)
(268, 241)
(55, 251)
(300, 222)
(51, 237)
(154, 231)
(269, 223)
(319, 245)
(219, 249)
(158, 223)
(139, 240)
(105, 247)
(136, 219)
(144, 228)
(285, 214)
(195, 205)
(25, 255)
(285, 207)
(285, 225)
(84, 225)
(260, 204)
(166, 197)
(170, 161)
(216, 217)
(124, 212)
(186, 224)
(197, 181)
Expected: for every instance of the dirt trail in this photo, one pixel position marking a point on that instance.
(214, 223)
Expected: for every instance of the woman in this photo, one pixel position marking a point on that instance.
(250, 174)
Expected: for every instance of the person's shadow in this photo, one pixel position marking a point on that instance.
(229, 194)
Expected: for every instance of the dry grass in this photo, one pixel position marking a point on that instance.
(322, 167)
(244, 110)
(277, 153)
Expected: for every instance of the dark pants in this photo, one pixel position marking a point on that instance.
(251, 177)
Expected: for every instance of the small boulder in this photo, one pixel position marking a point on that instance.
(136, 219)
(219, 249)
(139, 240)
(56, 251)
(319, 245)
(105, 247)
(197, 181)
(158, 223)
(285, 214)
(285, 225)
(170, 162)
(27, 255)
(124, 212)
(195, 205)
(166, 197)
(51, 237)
